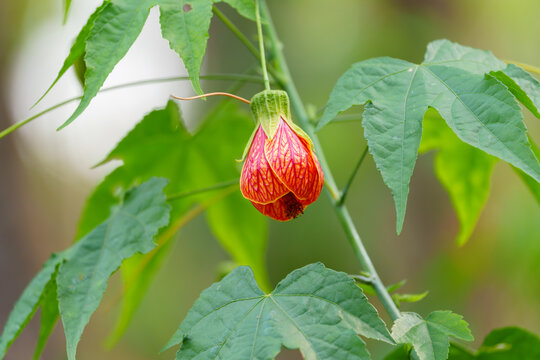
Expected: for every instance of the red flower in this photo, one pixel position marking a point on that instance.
(281, 174)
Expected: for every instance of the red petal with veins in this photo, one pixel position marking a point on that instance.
(258, 182)
(317, 186)
(294, 163)
(285, 208)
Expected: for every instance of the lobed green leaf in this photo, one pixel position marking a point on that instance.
(479, 109)
(430, 337)
(314, 309)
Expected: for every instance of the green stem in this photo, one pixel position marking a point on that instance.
(345, 189)
(261, 44)
(228, 23)
(224, 77)
(341, 211)
(219, 186)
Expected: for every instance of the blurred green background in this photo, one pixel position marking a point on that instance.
(494, 280)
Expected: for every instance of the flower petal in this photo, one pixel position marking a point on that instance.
(317, 185)
(258, 182)
(285, 208)
(294, 163)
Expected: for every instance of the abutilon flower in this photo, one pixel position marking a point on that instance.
(281, 174)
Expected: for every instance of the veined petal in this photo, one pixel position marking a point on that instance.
(294, 163)
(285, 208)
(258, 182)
(317, 185)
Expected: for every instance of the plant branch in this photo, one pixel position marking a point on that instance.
(341, 211)
(345, 190)
(222, 77)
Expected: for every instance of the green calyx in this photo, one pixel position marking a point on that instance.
(268, 107)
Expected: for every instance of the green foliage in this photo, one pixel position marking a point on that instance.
(463, 170)
(398, 298)
(402, 352)
(130, 229)
(77, 49)
(49, 315)
(112, 33)
(314, 309)
(115, 25)
(28, 303)
(408, 298)
(430, 338)
(67, 5)
(479, 109)
(187, 32)
(72, 283)
(245, 8)
(522, 85)
(510, 343)
(161, 146)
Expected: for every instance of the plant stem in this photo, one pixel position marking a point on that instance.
(345, 189)
(341, 211)
(261, 45)
(224, 77)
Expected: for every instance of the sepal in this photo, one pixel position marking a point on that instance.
(268, 107)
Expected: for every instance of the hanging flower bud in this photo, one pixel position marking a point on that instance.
(281, 174)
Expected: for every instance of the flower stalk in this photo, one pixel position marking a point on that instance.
(261, 44)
